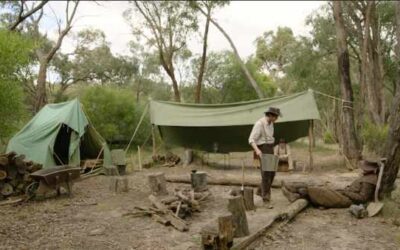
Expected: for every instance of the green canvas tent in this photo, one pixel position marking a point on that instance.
(225, 128)
(60, 134)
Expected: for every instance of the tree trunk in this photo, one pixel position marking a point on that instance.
(371, 64)
(392, 147)
(41, 96)
(251, 80)
(197, 97)
(350, 144)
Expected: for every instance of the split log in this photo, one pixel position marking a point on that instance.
(169, 199)
(119, 184)
(192, 203)
(199, 181)
(222, 181)
(176, 222)
(111, 170)
(236, 207)
(225, 231)
(156, 203)
(157, 184)
(161, 220)
(248, 198)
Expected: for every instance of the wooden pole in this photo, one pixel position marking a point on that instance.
(139, 158)
(154, 140)
(310, 142)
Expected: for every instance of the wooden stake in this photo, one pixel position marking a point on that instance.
(310, 139)
(154, 140)
(139, 158)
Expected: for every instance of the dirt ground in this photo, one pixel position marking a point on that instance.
(93, 218)
(332, 229)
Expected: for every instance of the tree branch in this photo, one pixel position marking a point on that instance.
(22, 17)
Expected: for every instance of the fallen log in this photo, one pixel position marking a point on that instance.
(280, 218)
(291, 211)
(221, 181)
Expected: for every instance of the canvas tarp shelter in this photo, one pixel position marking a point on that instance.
(60, 134)
(226, 127)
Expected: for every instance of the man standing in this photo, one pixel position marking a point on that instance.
(262, 141)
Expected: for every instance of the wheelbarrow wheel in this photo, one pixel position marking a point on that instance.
(31, 189)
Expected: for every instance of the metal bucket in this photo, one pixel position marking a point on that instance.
(269, 162)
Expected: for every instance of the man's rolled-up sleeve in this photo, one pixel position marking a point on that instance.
(255, 133)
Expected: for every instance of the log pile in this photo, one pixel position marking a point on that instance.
(173, 209)
(14, 174)
(168, 160)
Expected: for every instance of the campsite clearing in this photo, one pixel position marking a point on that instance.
(94, 216)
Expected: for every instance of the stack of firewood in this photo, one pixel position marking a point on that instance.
(168, 160)
(173, 209)
(14, 174)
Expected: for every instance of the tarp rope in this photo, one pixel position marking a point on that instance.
(345, 103)
(137, 127)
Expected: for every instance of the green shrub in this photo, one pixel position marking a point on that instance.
(14, 55)
(328, 138)
(115, 114)
(374, 137)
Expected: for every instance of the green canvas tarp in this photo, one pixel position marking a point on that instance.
(59, 134)
(226, 127)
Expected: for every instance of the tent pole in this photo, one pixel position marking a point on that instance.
(154, 140)
(310, 143)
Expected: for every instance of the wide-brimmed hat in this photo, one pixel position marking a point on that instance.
(273, 111)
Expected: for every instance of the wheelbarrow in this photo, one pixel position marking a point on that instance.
(50, 180)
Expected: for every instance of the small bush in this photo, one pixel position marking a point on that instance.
(328, 138)
(374, 137)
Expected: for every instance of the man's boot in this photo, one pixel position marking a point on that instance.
(289, 195)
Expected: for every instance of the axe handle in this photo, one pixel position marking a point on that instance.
(378, 183)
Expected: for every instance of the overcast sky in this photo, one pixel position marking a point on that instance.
(243, 21)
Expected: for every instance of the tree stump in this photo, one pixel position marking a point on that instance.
(199, 181)
(188, 157)
(157, 184)
(248, 198)
(218, 236)
(119, 184)
(210, 237)
(111, 170)
(226, 231)
(236, 207)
